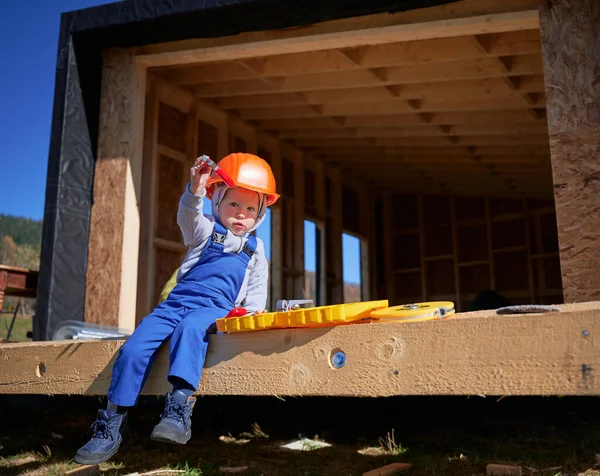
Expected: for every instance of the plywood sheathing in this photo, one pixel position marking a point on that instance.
(472, 354)
(458, 112)
(111, 280)
(571, 52)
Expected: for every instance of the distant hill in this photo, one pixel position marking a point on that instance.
(351, 290)
(20, 241)
(23, 231)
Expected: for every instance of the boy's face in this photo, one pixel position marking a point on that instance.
(238, 210)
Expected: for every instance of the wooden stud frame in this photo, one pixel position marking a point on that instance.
(497, 227)
(273, 146)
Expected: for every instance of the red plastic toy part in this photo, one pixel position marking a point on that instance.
(218, 170)
(237, 312)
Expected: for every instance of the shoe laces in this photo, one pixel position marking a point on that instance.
(99, 429)
(177, 411)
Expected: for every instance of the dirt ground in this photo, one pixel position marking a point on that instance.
(437, 435)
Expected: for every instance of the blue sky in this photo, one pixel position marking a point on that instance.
(29, 32)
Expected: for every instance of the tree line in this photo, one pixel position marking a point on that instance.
(20, 241)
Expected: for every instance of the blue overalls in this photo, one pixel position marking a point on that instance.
(206, 292)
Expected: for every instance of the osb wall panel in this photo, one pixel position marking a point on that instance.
(571, 55)
(170, 187)
(350, 211)
(171, 127)
(114, 224)
(208, 139)
(237, 144)
(310, 193)
(103, 283)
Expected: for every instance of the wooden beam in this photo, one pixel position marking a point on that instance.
(377, 29)
(432, 141)
(471, 354)
(273, 147)
(571, 56)
(145, 291)
(112, 268)
(479, 43)
(511, 43)
(360, 82)
(334, 228)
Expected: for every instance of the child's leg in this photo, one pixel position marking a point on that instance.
(189, 344)
(134, 363)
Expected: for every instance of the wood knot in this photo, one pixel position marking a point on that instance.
(390, 349)
(299, 375)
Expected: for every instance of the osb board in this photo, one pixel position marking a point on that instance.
(472, 354)
(171, 127)
(170, 187)
(571, 53)
(208, 139)
(106, 235)
(111, 279)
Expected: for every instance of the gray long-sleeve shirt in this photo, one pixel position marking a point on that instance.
(197, 228)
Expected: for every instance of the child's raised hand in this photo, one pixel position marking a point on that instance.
(199, 174)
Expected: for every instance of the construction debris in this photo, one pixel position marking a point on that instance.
(388, 470)
(503, 470)
(306, 444)
(236, 469)
(86, 470)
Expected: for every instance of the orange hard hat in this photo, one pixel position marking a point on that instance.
(247, 171)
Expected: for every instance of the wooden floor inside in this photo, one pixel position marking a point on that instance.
(478, 353)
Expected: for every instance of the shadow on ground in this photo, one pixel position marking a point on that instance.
(546, 436)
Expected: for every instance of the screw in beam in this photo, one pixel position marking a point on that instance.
(338, 360)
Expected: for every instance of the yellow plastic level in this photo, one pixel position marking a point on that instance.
(421, 311)
(305, 317)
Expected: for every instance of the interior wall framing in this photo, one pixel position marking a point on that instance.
(449, 248)
(315, 208)
(178, 128)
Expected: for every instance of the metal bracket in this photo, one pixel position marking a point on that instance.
(284, 305)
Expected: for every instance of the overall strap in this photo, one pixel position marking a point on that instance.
(250, 246)
(219, 233)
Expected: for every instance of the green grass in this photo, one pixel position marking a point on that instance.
(23, 324)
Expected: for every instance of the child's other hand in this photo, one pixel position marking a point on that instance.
(199, 175)
(264, 311)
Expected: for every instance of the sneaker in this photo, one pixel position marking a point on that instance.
(109, 432)
(176, 423)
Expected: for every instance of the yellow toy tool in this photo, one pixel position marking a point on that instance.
(421, 311)
(296, 314)
(290, 316)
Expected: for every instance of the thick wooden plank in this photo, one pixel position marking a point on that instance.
(549, 354)
(430, 23)
(571, 56)
(432, 82)
(395, 54)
